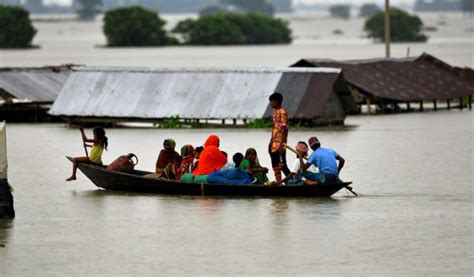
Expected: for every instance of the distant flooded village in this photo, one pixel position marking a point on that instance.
(235, 137)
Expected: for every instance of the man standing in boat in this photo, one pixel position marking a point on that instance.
(279, 137)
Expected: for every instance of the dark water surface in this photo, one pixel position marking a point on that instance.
(414, 217)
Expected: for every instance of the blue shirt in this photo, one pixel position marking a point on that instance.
(325, 160)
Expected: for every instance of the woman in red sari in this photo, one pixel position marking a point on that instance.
(211, 158)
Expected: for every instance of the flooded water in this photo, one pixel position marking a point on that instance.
(414, 216)
(81, 43)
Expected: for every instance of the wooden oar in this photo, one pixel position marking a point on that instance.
(82, 137)
(349, 188)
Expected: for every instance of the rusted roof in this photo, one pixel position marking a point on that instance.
(215, 93)
(414, 79)
(41, 84)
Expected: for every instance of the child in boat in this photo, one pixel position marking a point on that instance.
(229, 165)
(187, 154)
(238, 158)
(253, 167)
(173, 169)
(166, 156)
(99, 143)
(197, 154)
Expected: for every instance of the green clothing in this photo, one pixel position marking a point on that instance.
(260, 176)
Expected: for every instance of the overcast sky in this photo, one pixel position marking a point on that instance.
(410, 2)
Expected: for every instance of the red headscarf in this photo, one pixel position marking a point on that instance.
(211, 158)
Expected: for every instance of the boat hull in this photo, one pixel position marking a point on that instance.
(135, 182)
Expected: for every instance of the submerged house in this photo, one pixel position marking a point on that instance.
(26, 94)
(390, 82)
(153, 95)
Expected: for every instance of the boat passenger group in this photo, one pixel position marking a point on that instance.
(208, 164)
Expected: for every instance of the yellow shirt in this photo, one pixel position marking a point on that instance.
(96, 154)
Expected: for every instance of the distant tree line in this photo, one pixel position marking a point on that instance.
(136, 26)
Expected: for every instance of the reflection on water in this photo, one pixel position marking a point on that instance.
(5, 226)
(408, 220)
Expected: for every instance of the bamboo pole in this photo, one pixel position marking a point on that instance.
(387, 28)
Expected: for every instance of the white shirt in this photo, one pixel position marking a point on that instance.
(296, 167)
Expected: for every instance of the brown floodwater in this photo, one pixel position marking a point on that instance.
(414, 216)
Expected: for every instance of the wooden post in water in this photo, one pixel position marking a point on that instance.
(421, 105)
(387, 28)
(369, 108)
(461, 104)
(434, 105)
(449, 104)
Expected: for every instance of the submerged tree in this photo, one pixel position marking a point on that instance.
(16, 28)
(403, 27)
(232, 28)
(340, 11)
(88, 9)
(368, 10)
(134, 26)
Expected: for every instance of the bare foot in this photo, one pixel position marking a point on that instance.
(72, 178)
(310, 182)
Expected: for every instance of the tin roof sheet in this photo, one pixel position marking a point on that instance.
(34, 84)
(414, 79)
(214, 93)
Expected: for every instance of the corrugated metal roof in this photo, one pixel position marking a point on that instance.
(422, 78)
(34, 84)
(188, 93)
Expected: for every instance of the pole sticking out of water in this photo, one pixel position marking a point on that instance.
(387, 28)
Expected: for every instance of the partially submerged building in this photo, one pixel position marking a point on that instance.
(26, 94)
(389, 82)
(153, 95)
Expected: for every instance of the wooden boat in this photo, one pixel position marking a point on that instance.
(135, 182)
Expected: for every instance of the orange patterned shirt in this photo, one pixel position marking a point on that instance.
(280, 125)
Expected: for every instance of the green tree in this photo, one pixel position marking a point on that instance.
(340, 11)
(261, 29)
(88, 9)
(214, 30)
(134, 26)
(231, 28)
(403, 27)
(16, 29)
(368, 10)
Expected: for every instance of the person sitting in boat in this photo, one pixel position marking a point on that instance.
(238, 158)
(197, 154)
(99, 143)
(187, 155)
(211, 158)
(253, 167)
(325, 159)
(296, 176)
(229, 165)
(167, 155)
(172, 170)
